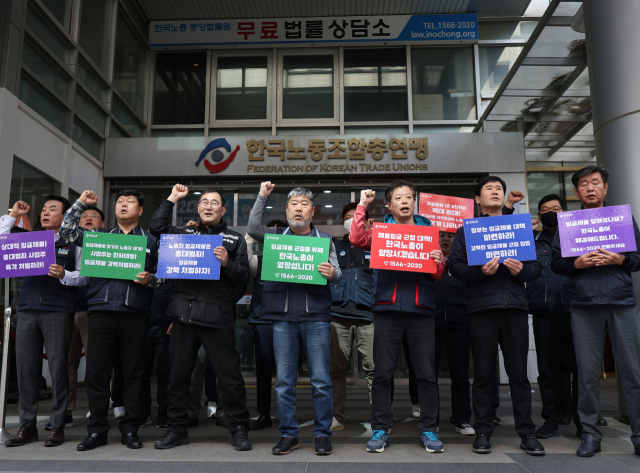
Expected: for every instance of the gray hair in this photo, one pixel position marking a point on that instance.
(300, 191)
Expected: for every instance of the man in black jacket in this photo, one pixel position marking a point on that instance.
(602, 298)
(204, 315)
(498, 313)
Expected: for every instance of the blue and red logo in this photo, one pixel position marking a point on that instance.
(217, 155)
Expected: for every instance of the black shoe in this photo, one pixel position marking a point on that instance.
(263, 422)
(171, 439)
(602, 422)
(529, 443)
(496, 419)
(547, 431)
(589, 446)
(565, 419)
(285, 445)
(323, 446)
(162, 421)
(25, 435)
(91, 442)
(482, 444)
(192, 423)
(131, 440)
(241, 439)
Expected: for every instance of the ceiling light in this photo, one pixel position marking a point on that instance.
(327, 192)
(329, 206)
(195, 64)
(197, 193)
(269, 207)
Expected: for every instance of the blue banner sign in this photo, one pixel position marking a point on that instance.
(189, 257)
(506, 236)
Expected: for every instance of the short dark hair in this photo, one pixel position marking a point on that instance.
(131, 192)
(351, 206)
(388, 193)
(549, 198)
(65, 203)
(591, 169)
(277, 223)
(486, 180)
(91, 207)
(223, 201)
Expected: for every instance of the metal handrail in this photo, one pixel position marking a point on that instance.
(4, 434)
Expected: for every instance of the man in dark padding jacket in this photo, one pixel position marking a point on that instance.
(602, 298)
(498, 313)
(204, 315)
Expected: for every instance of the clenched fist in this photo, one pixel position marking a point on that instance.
(19, 209)
(266, 188)
(367, 196)
(178, 192)
(88, 198)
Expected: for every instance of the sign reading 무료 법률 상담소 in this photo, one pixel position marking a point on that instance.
(113, 255)
(294, 259)
(26, 253)
(189, 257)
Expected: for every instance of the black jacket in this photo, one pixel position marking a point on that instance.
(451, 302)
(200, 301)
(159, 304)
(498, 291)
(599, 285)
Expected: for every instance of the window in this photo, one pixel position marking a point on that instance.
(42, 103)
(443, 84)
(241, 88)
(30, 185)
(93, 30)
(90, 111)
(179, 95)
(46, 32)
(540, 184)
(44, 69)
(375, 85)
(129, 66)
(116, 132)
(308, 87)
(89, 79)
(86, 139)
(128, 119)
(495, 63)
(60, 9)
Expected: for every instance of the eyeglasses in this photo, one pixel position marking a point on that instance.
(209, 203)
(90, 215)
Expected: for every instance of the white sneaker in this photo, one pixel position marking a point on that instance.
(89, 415)
(118, 412)
(335, 425)
(212, 407)
(416, 411)
(146, 422)
(465, 429)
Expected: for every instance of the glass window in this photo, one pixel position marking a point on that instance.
(116, 132)
(137, 17)
(506, 29)
(540, 77)
(443, 84)
(46, 71)
(176, 133)
(88, 78)
(541, 184)
(47, 34)
(179, 93)
(93, 30)
(90, 111)
(375, 85)
(41, 103)
(241, 88)
(30, 185)
(60, 9)
(495, 63)
(86, 139)
(559, 41)
(129, 66)
(128, 119)
(307, 87)
(73, 195)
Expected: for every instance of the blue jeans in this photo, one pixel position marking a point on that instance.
(287, 337)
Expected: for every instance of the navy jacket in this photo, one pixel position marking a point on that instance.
(498, 291)
(451, 302)
(599, 285)
(551, 292)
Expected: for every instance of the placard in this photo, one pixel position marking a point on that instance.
(26, 253)
(294, 259)
(584, 231)
(505, 236)
(445, 212)
(188, 257)
(404, 247)
(113, 255)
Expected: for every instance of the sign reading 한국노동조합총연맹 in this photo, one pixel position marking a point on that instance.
(294, 259)
(404, 247)
(189, 257)
(505, 237)
(584, 231)
(26, 254)
(113, 255)
(445, 212)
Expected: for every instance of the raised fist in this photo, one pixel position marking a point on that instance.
(266, 188)
(367, 196)
(19, 209)
(178, 192)
(88, 198)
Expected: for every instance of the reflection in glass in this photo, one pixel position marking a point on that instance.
(128, 119)
(90, 111)
(559, 41)
(307, 87)
(47, 34)
(540, 77)
(241, 88)
(86, 139)
(179, 94)
(93, 30)
(45, 70)
(129, 66)
(506, 29)
(116, 132)
(495, 62)
(60, 9)
(88, 78)
(41, 103)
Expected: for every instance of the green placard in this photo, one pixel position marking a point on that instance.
(113, 255)
(294, 259)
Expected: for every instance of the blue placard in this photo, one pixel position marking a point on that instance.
(188, 257)
(506, 236)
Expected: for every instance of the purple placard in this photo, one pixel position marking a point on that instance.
(584, 231)
(26, 254)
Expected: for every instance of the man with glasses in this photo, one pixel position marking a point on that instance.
(203, 313)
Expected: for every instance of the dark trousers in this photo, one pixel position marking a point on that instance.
(455, 341)
(117, 382)
(53, 329)
(210, 389)
(265, 363)
(554, 343)
(509, 328)
(220, 347)
(158, 351)
(413, 381)
(390, 329)
(112, 332)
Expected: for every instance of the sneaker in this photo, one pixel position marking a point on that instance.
(335, 425)
(416, 411)
(241, 439)
(170, 440)
(212, 407)
(465, 429)
(162, 421)
(323, 446)
(379, 441)
(146, 422)
(68, 422)
(496, 419)
(89, 415)
(118, 412)
(482, 444)
(431, 442)
(529, 443)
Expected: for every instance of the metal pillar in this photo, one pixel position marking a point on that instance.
(4, 435)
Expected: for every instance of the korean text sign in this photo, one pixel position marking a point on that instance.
(584, 231)
(189, 257)
(113, 255)
(506, 236)
(291, 258)
(404, 247)
(26, 254)
(445, 212)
